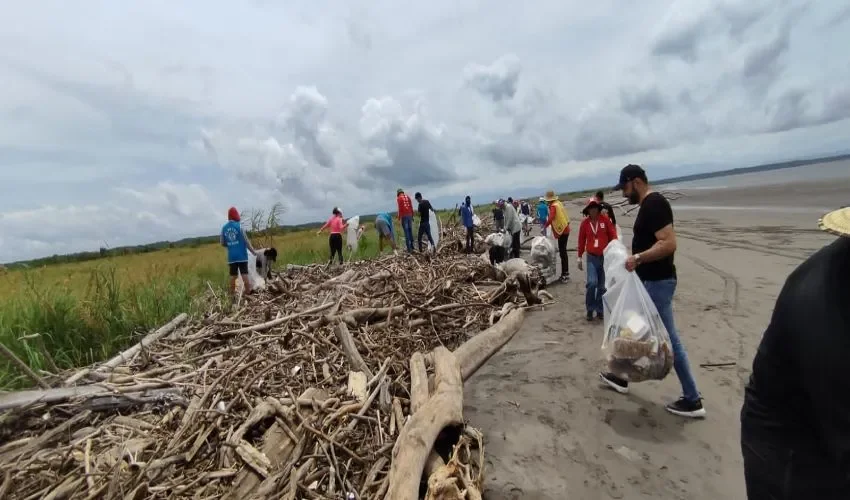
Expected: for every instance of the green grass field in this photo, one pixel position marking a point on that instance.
(70, 315)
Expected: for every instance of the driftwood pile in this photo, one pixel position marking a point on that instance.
(332, 383)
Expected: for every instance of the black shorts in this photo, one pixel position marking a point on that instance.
(238, 267)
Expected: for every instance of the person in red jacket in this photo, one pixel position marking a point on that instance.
(405, 215)
(594, 234)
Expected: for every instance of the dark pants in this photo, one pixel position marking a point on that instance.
(775, 471)
(470, 239)
(515, 244)
(497, 254)
(562, 251)
(238, 267)
(424, 230)
(335, 242)
(407, 227)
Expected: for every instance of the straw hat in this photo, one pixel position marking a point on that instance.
(836, 222)
(550, 196)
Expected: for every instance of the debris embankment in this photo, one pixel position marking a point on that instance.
(329, 382)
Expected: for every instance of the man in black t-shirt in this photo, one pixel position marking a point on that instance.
(653, 246)
(606, 207)
(424, 220)
(795, 422)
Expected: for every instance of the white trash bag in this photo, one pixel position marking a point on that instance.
(636, 346)
(257, 281)
(614, 257)
(497, 239)
(544, 255)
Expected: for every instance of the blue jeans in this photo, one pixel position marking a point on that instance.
(424, 230)
(407, 226)
(661, 292)
(595, 284)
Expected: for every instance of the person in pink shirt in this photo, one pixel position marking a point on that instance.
(336, 224)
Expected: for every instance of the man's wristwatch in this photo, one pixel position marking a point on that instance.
(637, 259)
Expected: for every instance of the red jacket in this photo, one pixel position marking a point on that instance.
(405, 206)
(592, 242)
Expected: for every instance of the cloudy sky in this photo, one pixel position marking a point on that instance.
(135, 121)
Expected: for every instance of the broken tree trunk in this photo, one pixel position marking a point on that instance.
(418, 397)
(417, 438)
(277, 447)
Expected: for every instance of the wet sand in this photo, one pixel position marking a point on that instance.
(552, 431)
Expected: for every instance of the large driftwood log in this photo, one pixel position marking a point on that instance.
(477, 350)
(418, 398)
(417, 438)
(26, 398)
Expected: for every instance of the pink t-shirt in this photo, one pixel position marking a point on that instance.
(335, 224)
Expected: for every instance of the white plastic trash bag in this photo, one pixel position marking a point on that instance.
(257, 281)
(614, 258)
(498, 239)
(636, 346)
(544, 256)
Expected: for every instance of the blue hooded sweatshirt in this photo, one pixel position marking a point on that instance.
(466, 215)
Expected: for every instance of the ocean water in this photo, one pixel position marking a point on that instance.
(815, 172)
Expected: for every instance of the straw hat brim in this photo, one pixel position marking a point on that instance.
(836, 222)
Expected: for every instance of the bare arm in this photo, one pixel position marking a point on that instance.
(248, 243)
(664, 247)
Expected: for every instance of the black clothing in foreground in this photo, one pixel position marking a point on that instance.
(424, 210)
(795, 421)
(335, 242)
(654, 214)
(604, 205)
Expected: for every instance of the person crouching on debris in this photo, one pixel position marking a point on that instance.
(265, 258)
(384, 227)
(594, 234)
(234, 238)
(336, 224)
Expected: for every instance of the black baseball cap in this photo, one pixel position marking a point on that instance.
(628, 173)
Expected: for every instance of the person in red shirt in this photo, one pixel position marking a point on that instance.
(594, 234)
(405, 216)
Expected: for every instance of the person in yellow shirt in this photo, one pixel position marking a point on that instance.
(559, 220)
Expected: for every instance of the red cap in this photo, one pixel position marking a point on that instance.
(233, 214)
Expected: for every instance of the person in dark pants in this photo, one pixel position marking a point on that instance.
(336, 224)
(559, 220)
(499, 215)
(513, 227)
(234, 238)
(795, 424)
(466, 218)
(653, 249)
(424, 220)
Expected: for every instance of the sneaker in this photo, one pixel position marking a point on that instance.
(616, 383)
(685, 408)
(590, 315)
(600, 316)
(565, 278)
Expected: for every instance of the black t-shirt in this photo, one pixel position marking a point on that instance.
(796, 395)
(424, 207)
(498, 214)
(655, 213)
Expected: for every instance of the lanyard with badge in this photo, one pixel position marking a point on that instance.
(594, 230)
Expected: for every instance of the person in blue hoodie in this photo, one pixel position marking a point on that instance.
(466, 214)
(234, 238)
(542, 212)
(384, 226)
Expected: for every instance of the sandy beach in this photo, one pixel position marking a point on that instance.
(554, 432)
